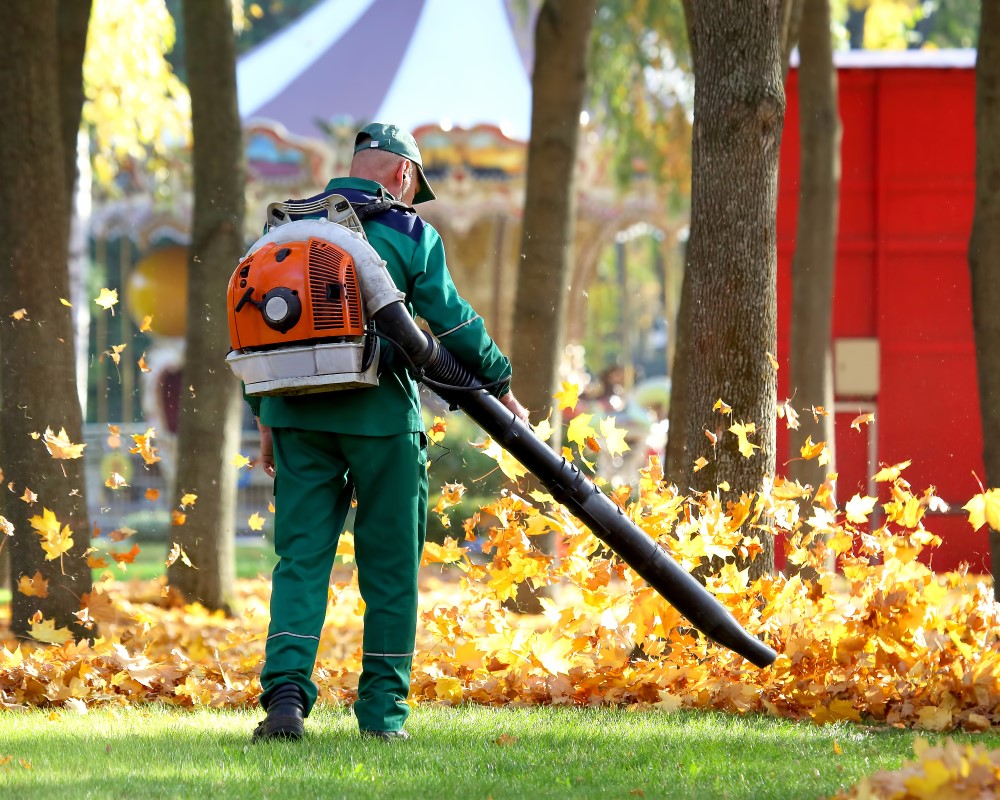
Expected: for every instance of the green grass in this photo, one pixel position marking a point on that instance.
(543, 752)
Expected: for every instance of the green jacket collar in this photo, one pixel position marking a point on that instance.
(361, 184)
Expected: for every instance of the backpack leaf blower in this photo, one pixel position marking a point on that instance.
(292, 333)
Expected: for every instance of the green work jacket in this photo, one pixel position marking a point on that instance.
(414, 255)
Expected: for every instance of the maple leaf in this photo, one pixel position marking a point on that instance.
(65, 302)
(614, 437)
(712, 437)
(256, 522)
(46, 631)
(437, 431)
(121, 534)
(890, 473)
(858, 508)
(700, 464)
(60, 446)
(20, 314)
(147, 324)
(178, 552)
(789, 414)
(579, 429)
(984, 509)
(188, 499)
(35, 586)
(543, 430)
(55, 541)
(6, 526)
(722, 406)
(862, 419)
(152, 494)
(143, 366)
(29, 496)
(239, 461)
(567, 397)
(115, 353)
(817, 450)
(447, 553)
(509, 466)
(126, 558)
(144, 446)
(773, 360)
(177, 518)
(742, 430)
(107, 299)
(115, 482)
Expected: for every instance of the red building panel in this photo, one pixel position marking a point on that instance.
(906, 203)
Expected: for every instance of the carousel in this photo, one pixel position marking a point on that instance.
(457, 75)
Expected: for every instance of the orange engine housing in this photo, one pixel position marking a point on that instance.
(323, 278)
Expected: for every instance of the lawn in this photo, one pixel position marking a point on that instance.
(151, 751)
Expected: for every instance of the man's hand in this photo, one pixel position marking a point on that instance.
(266, 448)
(511, 404)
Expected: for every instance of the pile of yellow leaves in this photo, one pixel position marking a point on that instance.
(887, 641)
(958, 772)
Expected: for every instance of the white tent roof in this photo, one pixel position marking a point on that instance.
(411, 62)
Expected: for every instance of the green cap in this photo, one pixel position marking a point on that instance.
(391, 138)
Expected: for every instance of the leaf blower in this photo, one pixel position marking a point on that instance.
(307, 306)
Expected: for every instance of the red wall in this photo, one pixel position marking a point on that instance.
(906, 203)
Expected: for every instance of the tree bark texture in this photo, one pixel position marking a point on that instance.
(732, 252)
(73, 20)
(562, 34)
(37, 372)
(811, 356)
(984, 253)
(209, 424)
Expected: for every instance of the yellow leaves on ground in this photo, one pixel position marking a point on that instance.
(45, 630)
(59, 446)
(56, 539)
(949, 770)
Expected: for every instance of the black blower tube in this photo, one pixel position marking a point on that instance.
(570, 487)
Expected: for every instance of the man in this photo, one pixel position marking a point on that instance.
(323, 448)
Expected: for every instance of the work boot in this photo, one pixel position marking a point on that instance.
(386, 736)
(285, 712)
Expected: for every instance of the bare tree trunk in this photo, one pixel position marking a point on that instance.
(678, 458)
(208, 430)
(732, 253)
(562, 34)
(37, 373)
(811, 358)
(984, 253)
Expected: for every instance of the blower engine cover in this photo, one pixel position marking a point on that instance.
(297, 322)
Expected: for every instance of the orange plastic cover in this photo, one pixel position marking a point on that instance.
(320, 274)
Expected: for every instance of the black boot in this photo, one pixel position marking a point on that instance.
(285, 712)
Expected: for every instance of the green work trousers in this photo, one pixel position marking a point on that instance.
(316, 474)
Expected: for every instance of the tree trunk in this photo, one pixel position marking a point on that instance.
(562, 33)
(678, 459)
(37, 372)
(732, 252)
(209, 425)
(984, 253)
(811, 359)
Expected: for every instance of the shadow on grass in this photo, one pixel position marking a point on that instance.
(464, 752)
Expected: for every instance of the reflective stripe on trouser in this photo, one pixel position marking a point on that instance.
(316, 474)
